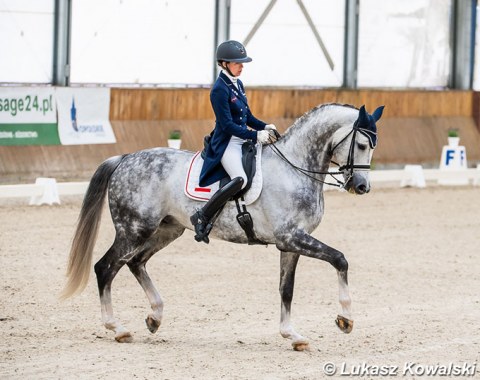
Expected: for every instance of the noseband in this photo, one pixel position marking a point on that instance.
(349, 167)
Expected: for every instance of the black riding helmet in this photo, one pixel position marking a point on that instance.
(232, 51)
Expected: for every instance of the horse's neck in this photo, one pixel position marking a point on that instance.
(308, 141)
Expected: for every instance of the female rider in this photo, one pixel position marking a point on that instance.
(223, 155)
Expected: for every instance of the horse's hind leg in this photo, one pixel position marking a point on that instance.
(288, 265)
(137, 267)
(106, 269)
(166, 234)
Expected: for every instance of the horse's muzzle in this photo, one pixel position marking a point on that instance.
(358, 184)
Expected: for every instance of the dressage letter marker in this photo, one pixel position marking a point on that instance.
(454, 158)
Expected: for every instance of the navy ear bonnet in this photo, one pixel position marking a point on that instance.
(365, 124)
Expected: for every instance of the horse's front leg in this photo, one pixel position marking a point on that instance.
(302, 243)
(344, 321)
(288, 265)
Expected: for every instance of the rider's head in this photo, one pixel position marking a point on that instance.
(231, 55)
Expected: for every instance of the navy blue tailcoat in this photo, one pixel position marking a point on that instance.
(232, 115)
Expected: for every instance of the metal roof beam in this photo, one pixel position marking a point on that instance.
(259, 22)
(316, 34)
(61, 44)
(350, 54)
(463, 43)
(222, 30)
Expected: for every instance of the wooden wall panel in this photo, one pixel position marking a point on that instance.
(410, 140)
(413, 129)
(160, 104)
(194, 104)
(476, 109)
(294, 103)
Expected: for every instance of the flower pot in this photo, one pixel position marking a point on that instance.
(453, 141)
(174, 143)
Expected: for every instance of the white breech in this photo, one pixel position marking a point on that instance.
(232, 159)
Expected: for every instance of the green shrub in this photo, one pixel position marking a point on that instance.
(175, 135)
(453, 132)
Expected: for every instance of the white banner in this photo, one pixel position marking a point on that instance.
(83, 116)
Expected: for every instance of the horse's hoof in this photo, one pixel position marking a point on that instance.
(344, 324)
(152, 324)
(124, 337)
(301, 346)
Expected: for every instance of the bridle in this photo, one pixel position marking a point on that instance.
(350, 165)
(347, 169)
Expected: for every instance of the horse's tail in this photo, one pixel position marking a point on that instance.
(80, 259)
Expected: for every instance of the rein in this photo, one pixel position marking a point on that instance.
(350, 165)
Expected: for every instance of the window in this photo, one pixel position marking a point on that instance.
(142, 41)
(404, 43)
(26, 38)
(284, 49)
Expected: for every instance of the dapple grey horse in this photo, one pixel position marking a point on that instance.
(149, 209)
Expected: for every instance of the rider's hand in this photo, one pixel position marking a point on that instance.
(274, 135)
(263, 137)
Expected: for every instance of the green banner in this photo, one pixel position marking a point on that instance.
(28, 116)
(29, 134)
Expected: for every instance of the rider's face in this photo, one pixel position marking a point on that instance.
(235, 67)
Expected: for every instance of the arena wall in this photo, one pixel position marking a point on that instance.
(412, 131)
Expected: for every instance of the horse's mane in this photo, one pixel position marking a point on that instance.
(301, 120)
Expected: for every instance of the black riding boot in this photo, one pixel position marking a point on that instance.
(201, 220)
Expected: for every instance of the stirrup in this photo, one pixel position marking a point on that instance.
(204, 235)
(198, 221)
(203, 238)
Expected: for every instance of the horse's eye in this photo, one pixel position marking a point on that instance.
(362, 146)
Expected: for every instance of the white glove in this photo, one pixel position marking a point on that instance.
(270, 127)
(263, 137)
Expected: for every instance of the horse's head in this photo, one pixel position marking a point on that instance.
(352, 149)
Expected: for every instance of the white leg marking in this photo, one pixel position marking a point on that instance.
(286, 328)
(109, 321)
(344, 296)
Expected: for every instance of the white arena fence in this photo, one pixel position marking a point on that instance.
(48, 191)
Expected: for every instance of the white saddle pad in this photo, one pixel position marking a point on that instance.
(203, 194)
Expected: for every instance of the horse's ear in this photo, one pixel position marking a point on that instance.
(378, 113)
(362, 116)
